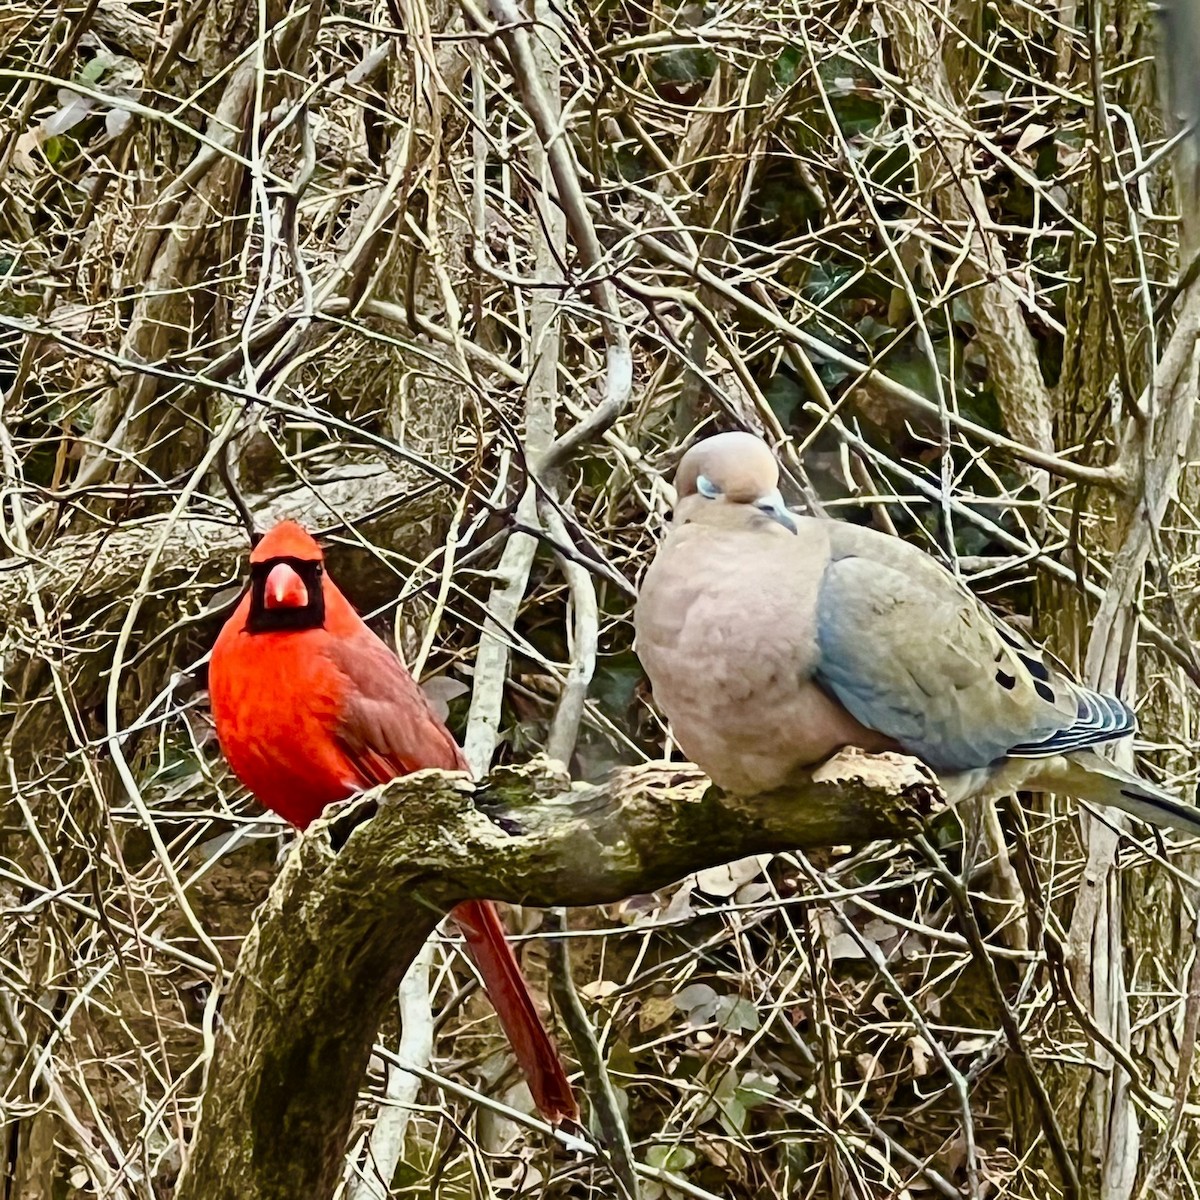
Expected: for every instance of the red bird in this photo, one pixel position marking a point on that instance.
(311, 707)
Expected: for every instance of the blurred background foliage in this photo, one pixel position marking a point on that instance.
(309, 260)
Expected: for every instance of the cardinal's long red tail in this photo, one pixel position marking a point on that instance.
(536, 1053)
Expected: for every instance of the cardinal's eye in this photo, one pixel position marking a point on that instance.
(707, 488)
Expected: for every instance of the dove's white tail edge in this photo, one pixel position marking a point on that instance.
(1102, 782)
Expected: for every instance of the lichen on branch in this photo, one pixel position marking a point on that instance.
(365, 887)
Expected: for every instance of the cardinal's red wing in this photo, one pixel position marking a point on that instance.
(386, 725)
(387, 728)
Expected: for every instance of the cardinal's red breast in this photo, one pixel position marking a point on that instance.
(309, 704)
(276, 698)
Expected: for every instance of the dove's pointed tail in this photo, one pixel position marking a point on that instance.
(1099, 781)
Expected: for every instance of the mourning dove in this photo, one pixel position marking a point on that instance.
(772, 640)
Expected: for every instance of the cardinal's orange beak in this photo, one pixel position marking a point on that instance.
(285, 589)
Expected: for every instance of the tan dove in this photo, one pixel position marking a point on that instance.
(773, 640)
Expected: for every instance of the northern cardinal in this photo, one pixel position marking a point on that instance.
(311, 706)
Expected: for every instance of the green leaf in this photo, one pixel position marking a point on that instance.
(786, 67)
(915, 374)
(93, 70)
(823, 280)
(736, 1014)
(796, 1156)
(616, 681)
(852, 93)
(620, 1059)
(630, 165)
(960, 311)
(755, 1089)
(784, 394)
(693, 64)
(732, 1115)
(783, 198)
(675, 1159)
(871, 330)
(857, 114)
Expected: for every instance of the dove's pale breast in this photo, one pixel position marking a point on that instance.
(730, 649)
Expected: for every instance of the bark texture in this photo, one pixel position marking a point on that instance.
(364, 888)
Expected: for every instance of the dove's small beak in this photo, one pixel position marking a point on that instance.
(772, 505)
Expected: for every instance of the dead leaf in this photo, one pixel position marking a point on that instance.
(752, 893)
(23, 153)
(655, 1011)
(680, 908)
(727, 878)
(844, 945)
(922, 1055)
(868, 1066)
(880, 931)
(972, 1045)
(72, 109)
(598, 989)
(1030, 135)
(440, 690)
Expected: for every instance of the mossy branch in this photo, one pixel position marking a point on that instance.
(364, 889)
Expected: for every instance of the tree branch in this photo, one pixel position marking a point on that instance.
(103, 563)
(364, 888)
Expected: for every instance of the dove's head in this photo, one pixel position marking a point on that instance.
(730, 477)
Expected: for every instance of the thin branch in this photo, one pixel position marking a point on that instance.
(600, 1090)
